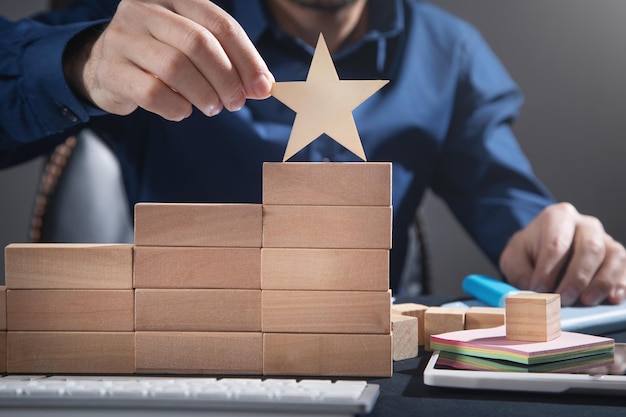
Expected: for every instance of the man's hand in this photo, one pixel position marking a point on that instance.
(167, 55)
(564, 251)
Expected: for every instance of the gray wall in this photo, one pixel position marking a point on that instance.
(567, 55)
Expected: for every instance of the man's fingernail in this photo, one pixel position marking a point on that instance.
(262, 86)
(212, 110)
(568, 297)
(619, 295)
(237, 101)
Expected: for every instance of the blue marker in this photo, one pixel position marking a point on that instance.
(488, 290)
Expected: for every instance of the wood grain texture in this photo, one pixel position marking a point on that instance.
(349, 227)
(413, 310)
(325, 269)
(359, 355)
(186, 224)
(442, 320)
(327, 183)
(185, 267)
(533, 317)
(71, 352)
(326, 311)
(71, 310)
(69, 266)
(404, 330)
(3, 352)
(324, 104)
(3, 308)
(200, 353)
(198, 310)
(484, 318)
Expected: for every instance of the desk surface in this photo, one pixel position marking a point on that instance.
(406, 395)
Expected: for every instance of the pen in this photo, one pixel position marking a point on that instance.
(488, 290)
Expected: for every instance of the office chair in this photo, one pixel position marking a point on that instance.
(82, 199)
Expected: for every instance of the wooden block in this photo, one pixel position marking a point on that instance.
(199, 353)
(172, 267)
(362, 355)
(325, 269)
(327, 227)
(533, 317)
(326, 311)
(69, 266)
(71, 352)
(3, 308)
(76, 310)
(413, 310)
(404, 330)
(185, 224)
(327, 183)
(3, 352)
(198, 310)
(484, 318)
(441, 320)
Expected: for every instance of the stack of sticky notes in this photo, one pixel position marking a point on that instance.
(530, 341)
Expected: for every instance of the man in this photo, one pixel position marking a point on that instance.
(443, 120)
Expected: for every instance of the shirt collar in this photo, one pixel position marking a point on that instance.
(386, 18)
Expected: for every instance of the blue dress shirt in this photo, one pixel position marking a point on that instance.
(444, 120)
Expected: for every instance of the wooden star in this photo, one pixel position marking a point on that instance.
(324, 104)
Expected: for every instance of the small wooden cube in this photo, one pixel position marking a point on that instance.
(439, 320)
(71, 310)
(187, 267)
(186, 224)
(326, 311)
(325, 269)
(71, 352)
(359, 355)
(198, 310)
(484, 318)
(348, 227)
(69, 266)
(413, 310)
(327, 183)
(404, 330)
(533, 317)
(199, 353)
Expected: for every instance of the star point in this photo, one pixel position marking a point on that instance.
(324, 104)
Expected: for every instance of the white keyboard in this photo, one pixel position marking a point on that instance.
(134, 396)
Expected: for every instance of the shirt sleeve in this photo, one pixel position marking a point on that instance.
(483, 175)
(36, 104)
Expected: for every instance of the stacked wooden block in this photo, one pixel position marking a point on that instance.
(325, 269)
(3, 329)
(69, 308)
(197, 288)
(296, 286)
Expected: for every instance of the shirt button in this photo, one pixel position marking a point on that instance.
(70, 115)
(326, 159)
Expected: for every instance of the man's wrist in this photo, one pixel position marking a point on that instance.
(75, 57)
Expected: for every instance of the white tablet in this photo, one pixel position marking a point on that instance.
(609, 378)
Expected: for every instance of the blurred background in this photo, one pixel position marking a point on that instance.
(567, 56)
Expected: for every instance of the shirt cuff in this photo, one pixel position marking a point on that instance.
(54, 105)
